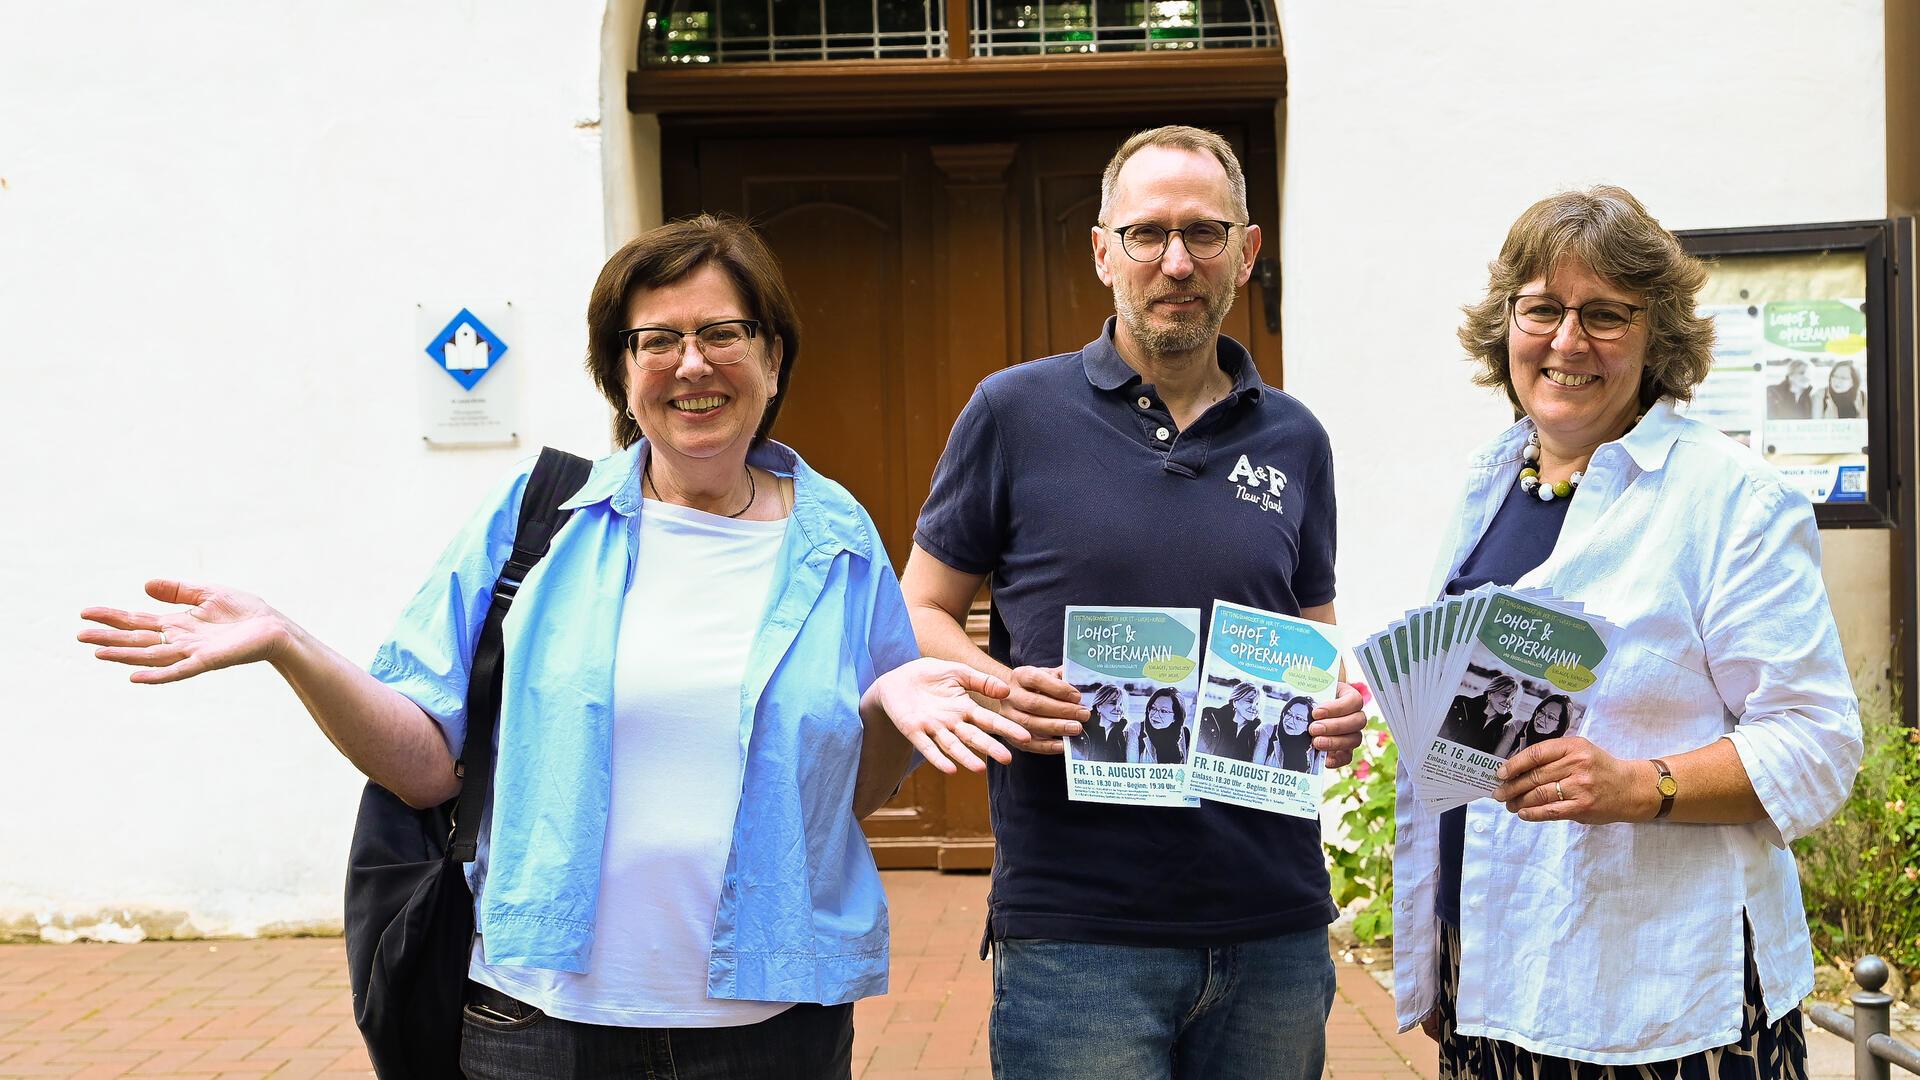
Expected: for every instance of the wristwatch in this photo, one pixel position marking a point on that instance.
(1668, 789)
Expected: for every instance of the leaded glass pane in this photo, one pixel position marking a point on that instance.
(741, 31)
(1025, 27)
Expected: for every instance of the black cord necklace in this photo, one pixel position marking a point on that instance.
(753, 490)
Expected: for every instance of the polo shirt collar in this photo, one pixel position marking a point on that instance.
(1107, 370)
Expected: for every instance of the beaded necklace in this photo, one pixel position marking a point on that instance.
(1530, 474)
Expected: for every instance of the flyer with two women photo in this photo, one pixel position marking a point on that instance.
(1469, 681)
(1263, 674)
(1137, 670)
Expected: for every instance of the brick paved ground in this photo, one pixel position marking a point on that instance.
(934, 1022)
(230, 1008)
(279, 1008)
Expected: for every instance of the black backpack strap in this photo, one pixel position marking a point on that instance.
(556, 477)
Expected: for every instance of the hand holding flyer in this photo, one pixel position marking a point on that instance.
(1136, 670)
(1469, 681)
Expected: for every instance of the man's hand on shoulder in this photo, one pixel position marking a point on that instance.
(1048, 706)
(1337, 726)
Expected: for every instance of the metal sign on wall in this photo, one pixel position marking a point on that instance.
(468, 392)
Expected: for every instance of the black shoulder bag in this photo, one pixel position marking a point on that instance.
(409, 918)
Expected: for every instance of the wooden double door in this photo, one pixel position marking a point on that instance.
(921, 262)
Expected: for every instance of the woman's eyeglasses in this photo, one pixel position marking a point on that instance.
(659, 348)
(1601, 320)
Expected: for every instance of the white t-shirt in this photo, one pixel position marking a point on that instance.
(699, 590)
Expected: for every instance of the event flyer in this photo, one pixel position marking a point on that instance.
(1137, 670)
(1263, 674)
(1507, 668)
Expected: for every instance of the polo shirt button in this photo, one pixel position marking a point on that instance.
(1479, 826)
(1145, 402)
(1162, 434)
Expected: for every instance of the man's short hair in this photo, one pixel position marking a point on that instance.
(1178, 137)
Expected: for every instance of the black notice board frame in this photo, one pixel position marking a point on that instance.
(1888, 248)
(1889, 318)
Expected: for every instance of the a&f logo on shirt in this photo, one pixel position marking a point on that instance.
(1259, 485)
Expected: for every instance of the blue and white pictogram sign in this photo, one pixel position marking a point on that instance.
(477, 407)
(466, 349)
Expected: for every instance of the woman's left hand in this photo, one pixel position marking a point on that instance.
(1571, 779)
(929, 701)
(1337, 724)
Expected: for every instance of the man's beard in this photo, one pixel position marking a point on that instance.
(1186, 331)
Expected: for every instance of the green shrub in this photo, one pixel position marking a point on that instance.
(1363, 869)
(1860, 872)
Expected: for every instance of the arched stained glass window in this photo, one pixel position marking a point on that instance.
(1026, 27)
(700, 32)
(676, 32)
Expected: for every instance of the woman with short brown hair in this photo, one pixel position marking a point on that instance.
(708, 680)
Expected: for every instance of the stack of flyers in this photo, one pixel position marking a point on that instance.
(1137, 670)
(1263, 675)
(1469, 681)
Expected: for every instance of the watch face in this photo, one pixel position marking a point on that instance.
(1668, 787)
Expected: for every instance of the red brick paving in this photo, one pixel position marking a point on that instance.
(279, 1008)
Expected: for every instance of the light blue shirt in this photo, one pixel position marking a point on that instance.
(802, 916)
(1622, 944)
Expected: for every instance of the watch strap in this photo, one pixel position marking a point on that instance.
(1666, 787)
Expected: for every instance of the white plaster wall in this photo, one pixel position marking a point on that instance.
(1405, 165)
(215, 221)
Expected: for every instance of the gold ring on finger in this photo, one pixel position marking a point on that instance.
(1559, 792)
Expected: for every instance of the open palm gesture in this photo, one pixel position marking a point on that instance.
(931, 703)
(221, 627)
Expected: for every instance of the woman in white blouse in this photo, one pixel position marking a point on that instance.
(1640, 865)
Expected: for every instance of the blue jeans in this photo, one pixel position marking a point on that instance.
(503, 1038)
(1254, 1011)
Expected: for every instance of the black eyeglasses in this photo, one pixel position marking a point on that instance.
(1147, 243)
(658, 348)
(1601, 320)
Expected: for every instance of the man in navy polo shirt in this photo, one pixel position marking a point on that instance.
(1150, 468)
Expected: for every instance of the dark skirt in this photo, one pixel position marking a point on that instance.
(1764, 1052)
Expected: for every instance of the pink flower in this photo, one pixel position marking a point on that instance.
(1383, 739)
(1363, 768)
(1913, 873)
(1366, 695)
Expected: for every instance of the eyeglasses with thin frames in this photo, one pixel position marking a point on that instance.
(1147, 243)
(659, 348)
(1601, 320)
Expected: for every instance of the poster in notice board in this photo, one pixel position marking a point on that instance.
(1800, 372)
